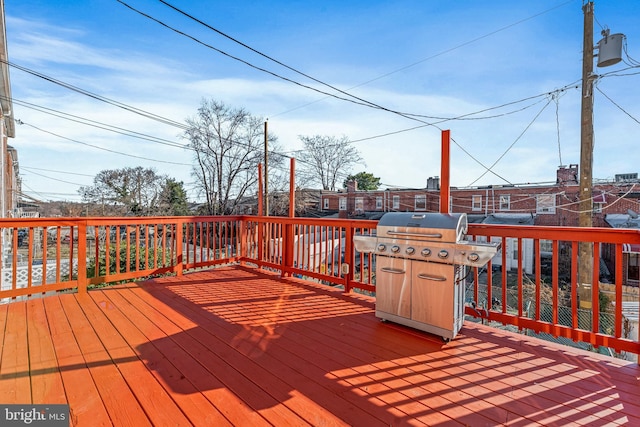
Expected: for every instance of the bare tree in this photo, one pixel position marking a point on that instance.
(228, 145)
(133, 190)
(327, 158)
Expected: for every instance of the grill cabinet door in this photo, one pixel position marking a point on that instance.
(434, 295)
(393, 286)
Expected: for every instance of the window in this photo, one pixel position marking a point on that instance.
(396, 202)
(476, 203)
(597, 207)
(326, 203)
(505, 202)
(546, 203)
(421, 202)
(378, 202)
(359, 205)
(343, 204)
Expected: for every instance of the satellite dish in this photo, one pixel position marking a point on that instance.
(610, 49)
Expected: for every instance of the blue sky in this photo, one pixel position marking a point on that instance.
(433, 58)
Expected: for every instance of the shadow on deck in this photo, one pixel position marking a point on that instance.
(237, 346)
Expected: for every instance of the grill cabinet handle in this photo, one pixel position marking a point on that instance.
(392, 270)
(400, 233)
(434, 278)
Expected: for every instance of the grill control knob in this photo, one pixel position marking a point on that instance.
(410, 250)
(473, 257)
(425, 252)
(382, 247)
(443, 254)
(395, 249)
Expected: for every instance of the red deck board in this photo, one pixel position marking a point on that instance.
(14, 366)
(118, 399)
(81, 393)
(237, 346)
(253, 344)
(185, 364)
(156, 403)
(4, 309)
(46, 381)
(223, 375)
(194, 405)
(227, 403)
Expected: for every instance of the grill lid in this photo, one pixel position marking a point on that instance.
(429, 225)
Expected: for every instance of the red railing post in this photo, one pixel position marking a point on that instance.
(288, 238)
(350, 257)
(82, 257)
(179, 242)
(243, 224)
(260, 225)
(444, 172)
(287, 249)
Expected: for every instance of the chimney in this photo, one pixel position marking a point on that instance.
(567, 175)
(352, 186)
(433, 183)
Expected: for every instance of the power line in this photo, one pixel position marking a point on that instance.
(258, 52)
(364, 101)
(264, 70)
(464, 44)
(109, 101)
(115, 129)
(33, 191)
(56, 179)
(100, 148)
(556, 101)
(55, 171)
(619, 107)
(407, 115)
(355, 100)
(511, 146)
(461, 117)
(359, 101)
(96, 124)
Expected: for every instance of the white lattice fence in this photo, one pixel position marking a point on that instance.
(22, 274)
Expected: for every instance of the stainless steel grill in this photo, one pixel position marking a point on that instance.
(421, 266)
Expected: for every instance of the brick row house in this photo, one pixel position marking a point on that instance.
(615, 204)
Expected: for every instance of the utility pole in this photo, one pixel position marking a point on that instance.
(585, 250)
(266, 168)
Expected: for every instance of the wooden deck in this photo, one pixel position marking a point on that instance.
(234, 346)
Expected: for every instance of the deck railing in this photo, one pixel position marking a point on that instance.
(531, 285)
(548, 301)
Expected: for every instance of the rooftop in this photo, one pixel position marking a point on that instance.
(239, 346)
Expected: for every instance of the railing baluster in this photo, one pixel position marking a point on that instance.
(538, 282)
(520, 280)
(618, 284)
(595, 292)
(554, 281)
(574, 287)
(503, 273)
